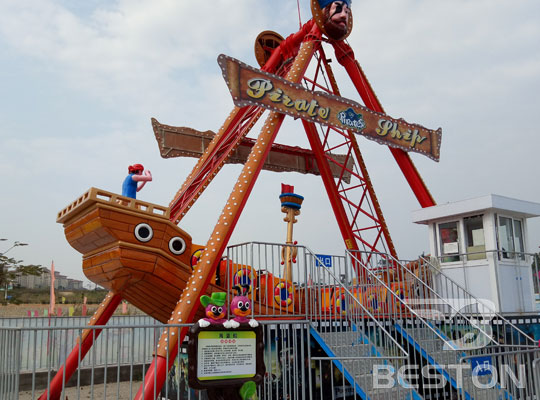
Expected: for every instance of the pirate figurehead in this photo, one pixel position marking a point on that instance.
(333, 17)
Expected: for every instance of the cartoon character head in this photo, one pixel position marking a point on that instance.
(215, 308)
(337, 16)
(241, 304)
(333, 17)
(135, 169)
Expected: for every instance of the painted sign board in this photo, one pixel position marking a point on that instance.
(251, 86)
(323, 260)
(226, 354)
(481, 365)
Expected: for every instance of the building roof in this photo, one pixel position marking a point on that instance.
(521, 208)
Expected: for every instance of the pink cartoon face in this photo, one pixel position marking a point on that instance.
(215, 312)
(241, 306)
(241, 309)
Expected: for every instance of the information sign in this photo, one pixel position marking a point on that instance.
(225, 358)
(226, 355)
(323, 261)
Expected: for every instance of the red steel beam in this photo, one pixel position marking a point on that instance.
(345, 56)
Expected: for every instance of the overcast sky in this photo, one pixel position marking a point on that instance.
(80, 81)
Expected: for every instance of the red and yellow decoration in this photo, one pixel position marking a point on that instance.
(283, 294)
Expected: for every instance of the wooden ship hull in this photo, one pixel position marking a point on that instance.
(131, 248)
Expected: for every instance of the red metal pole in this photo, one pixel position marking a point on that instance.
(330, 186)
(102, 315)
(345, 57)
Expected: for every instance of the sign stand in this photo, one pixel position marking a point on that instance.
(222, 360)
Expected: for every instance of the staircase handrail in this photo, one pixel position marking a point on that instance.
(492, 310)
(358, 303)
(405, 303)
(505, 353)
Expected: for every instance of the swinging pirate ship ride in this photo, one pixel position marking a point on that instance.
(137, 251)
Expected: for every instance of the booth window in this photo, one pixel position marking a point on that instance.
(511, 238)
(474, 236)
(449, 241)
(518, 239)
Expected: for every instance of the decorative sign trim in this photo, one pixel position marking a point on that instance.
(251, 86)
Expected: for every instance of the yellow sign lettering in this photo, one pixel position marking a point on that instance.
(250, 86)
(416, 138)
(412, 136)
(384, 127)
(324, 112)
(287, 102)
(275, 96)
(301, 105)
(258, 87)
(311, 111)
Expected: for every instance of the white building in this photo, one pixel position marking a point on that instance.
(482, 244)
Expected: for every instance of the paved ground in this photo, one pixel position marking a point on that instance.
(120, 391)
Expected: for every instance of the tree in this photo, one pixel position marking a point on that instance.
(11, 268)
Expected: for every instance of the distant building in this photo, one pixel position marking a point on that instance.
(75, 284)
(43, 281)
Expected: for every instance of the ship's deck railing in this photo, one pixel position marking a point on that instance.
(113, 199)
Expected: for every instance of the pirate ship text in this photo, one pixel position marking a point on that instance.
(252, 87)
(258, 88)
(392, 128)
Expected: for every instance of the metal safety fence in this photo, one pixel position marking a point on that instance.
(358, 326)
(451, 335)
(297, 368)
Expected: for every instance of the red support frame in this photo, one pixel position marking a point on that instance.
(206, 267)
(211, 162)
(359, 216)
(239, 124)
(345, 56)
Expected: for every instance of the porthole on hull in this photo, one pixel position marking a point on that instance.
(177, 245)
(144, 232)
